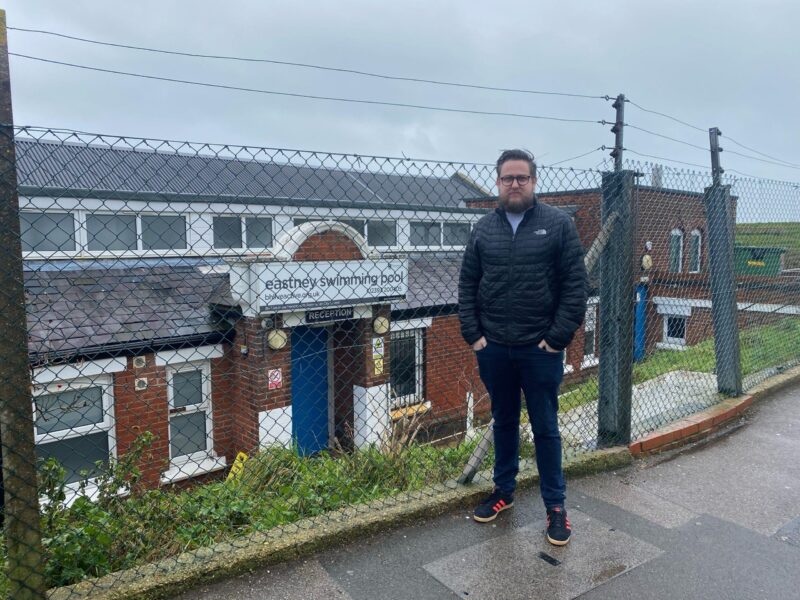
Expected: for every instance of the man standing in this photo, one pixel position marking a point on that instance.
(521, 296)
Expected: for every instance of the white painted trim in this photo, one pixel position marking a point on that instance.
(671, 346)
(193, 468)
(593, 300)
(405, 325)
(287, 243)
(671, 304)
(171, 357)
(93, 368)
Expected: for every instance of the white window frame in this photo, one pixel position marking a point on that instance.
(242, 232)
(696, 233)
(438, 223)
(396, 232)
(77, 233)
(455, 246)
(673, 343)
(419, 369)
(679, 234)
(590, 360)
(105, 383)
(203, 461)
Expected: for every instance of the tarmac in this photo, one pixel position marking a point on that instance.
(720, 519)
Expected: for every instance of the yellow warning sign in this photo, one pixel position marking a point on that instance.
(238, 466)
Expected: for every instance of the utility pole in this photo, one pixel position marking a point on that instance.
(720, 220)
(616, 298)
(25, 557)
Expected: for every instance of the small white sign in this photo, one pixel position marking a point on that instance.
(326, 282)
(275, 377)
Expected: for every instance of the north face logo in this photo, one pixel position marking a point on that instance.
(540, 232)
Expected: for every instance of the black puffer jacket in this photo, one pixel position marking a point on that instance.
(519, 289)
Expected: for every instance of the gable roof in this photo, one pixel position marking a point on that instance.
(81, 170)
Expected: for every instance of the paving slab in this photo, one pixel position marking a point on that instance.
(522, 564)
(620, 491)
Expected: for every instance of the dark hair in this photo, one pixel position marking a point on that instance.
(517, 154)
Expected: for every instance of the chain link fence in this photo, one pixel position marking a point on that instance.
(224, 341)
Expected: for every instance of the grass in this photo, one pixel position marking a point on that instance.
(761, 347)
(774, 235)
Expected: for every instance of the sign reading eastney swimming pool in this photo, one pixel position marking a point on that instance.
(321, 283)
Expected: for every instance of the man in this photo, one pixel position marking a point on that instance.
(521, 296)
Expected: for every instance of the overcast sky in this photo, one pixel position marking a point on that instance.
(731, 64)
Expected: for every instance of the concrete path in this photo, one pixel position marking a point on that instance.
(721, 520)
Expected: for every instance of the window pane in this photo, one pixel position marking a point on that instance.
(588, 343)
(164, 233)
(402, 360)
(187, 388)
(355, 224)
(77, 454)
(676, 327)
(187, 434)
(70, 409)
(694, 254)
(456, 234)
(382, 233)
(424, 234)
(259, 232)
(675, 243)
(227, 232)
(111, 232)
(47, 232)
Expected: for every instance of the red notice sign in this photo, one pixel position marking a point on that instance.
(275, 379)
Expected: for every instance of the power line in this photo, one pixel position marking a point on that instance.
(661, 114)
(307, 96)
(769, 162)
(761, 153)
(666, 137)
(666, 159)
(311, 66)
(576, 157)
(779, 161)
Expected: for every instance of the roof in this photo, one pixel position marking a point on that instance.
(65, 169)
(83, 309)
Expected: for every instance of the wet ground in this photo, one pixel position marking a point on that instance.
(720, 520)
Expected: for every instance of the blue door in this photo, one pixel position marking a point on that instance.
(641, 323)
(310, 389)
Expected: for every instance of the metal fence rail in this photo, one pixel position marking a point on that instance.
(224, 340)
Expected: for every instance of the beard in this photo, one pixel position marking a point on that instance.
(516, 202)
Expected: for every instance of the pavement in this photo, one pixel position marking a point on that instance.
(720, 519)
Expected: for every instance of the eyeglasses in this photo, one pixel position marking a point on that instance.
(508, 180)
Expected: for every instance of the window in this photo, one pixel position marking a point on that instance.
(675, 329)
(382, 233)
(111, 232)
(227, 232)
(163, 232)
(258, 231)
(676, 251)
(190, 421)
(590, 337)
(356, 224)
(695, 249)
(456, 234)
(47, 232)
(73, 423)
(425, 234)
(406, 366)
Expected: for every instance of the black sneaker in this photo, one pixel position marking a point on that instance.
(492, 505)
(558, 528)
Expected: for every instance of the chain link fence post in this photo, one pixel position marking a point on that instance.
(616, 313)
(720, 218)
(25, 563)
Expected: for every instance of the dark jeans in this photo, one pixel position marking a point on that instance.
(505, 370)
